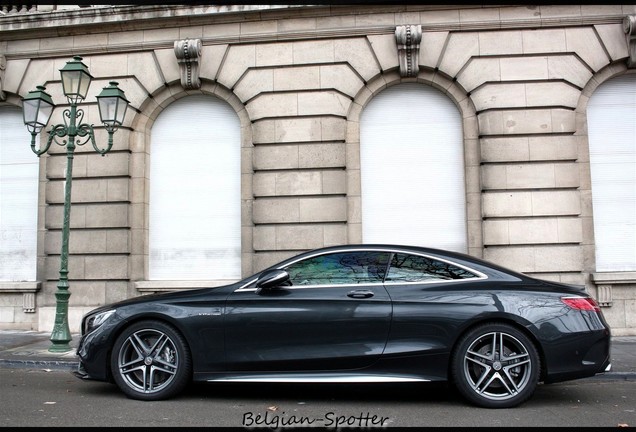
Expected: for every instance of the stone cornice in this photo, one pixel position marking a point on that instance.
(138, 18)
(68, 22)
(126, 18)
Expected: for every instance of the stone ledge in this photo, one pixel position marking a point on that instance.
(626, 277)
(20, 287)
(166, 286)
(27, 289)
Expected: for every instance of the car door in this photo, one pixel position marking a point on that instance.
(335, 315)
(431, 298)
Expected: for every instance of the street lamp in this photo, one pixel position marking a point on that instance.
(37, 109)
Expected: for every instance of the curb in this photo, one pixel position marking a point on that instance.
(47, 364)
(614, 376)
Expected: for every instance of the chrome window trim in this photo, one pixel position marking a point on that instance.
(248, 283)
(296, 287)
(437, 281)
(479, 275)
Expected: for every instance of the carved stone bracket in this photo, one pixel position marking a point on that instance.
(629, 27)
(188, 52)
(3, 67)
(604, 295)
(27, 289)
(606, 281)
(408, 39)
(28, 303)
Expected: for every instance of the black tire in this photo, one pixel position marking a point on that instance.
(151, 361)
(495, 366)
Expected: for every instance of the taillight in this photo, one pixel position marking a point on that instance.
(581, 303)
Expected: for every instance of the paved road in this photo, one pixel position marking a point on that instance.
(40, 397)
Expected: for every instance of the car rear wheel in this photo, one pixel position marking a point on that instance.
(495, 366)
(151, 361)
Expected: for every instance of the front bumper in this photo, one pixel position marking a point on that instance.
(93, 354)
(81, 373)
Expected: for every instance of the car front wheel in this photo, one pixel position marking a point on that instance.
(495, 366)
(151, 361)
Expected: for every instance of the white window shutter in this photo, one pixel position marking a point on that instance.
(19, 168)
(195, 192)
(611, 118)
(412, 169)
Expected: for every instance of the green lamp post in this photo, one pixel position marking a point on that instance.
(37, 109)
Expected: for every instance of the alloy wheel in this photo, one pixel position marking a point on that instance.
(148, 360)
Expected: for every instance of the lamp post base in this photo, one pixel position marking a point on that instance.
(61, 335)
(60, 347)
(60, 338)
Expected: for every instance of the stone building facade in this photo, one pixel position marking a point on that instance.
(298, 79)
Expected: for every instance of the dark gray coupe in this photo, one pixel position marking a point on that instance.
(355, 313)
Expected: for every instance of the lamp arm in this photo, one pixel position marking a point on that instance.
(42, 150)
(57, 131)
(87, 130)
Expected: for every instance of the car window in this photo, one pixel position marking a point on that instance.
(416, 268)
(339, 268)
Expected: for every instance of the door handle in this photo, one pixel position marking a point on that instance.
(360, 294)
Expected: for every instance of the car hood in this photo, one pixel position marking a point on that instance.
(165, 297)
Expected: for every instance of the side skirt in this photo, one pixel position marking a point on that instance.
(313, 378)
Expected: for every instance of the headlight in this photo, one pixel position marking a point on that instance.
(91, 322)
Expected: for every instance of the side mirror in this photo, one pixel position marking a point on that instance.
(271, 279)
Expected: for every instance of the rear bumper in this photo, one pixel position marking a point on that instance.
(580, 357)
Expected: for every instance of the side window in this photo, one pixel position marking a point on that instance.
(415, 268)
(339, 269)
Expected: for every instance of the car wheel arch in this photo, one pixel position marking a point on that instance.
(485, 380)
(503, 320)
(164, 368)
(128, 322)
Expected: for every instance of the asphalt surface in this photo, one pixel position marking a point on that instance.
(30, 349)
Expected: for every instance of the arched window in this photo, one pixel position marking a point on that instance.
(18, 199)
(412, 169)
(195, 192)
(611, 119)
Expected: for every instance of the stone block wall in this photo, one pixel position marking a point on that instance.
(299, 78)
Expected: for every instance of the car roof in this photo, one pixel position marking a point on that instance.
(391, 247)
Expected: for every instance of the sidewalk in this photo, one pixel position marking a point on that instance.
(29, 349)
